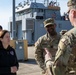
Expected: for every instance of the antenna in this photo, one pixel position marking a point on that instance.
(56, 2)
(47, 2)
(35, 1)
(44, 2)
(24, 3)
(27, 1)
(31, 0)
(20, 4)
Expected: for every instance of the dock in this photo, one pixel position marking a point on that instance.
(29, 67)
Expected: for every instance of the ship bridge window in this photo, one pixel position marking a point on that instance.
(40, 10)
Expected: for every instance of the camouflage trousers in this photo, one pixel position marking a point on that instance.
(62, 70)
(71, 71)
(48, 68)
(48, 71)
(58, 70)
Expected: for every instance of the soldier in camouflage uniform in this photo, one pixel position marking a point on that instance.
(65, 59)
(46, 46)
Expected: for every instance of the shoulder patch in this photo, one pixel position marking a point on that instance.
(65, 41)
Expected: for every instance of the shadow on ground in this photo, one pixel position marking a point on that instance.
(29, 61)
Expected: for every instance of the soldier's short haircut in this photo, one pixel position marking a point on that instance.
(1, 27)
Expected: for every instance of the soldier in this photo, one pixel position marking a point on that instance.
(46, 46)
(65, 59)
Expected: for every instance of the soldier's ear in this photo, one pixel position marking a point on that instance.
(74, 14)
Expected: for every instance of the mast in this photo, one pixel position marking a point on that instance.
(56, 2)
(47, 2)
(13, 24)
(35, 1)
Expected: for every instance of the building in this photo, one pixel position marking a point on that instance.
(30, 17)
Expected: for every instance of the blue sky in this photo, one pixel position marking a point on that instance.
(6, 10)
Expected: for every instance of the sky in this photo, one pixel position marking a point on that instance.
(6, 9)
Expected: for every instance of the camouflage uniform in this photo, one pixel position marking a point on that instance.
(65, 59)
(48, 42)
(63, 32)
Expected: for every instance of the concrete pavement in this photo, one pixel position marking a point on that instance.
(29, 67)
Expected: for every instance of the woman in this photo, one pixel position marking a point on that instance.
(8, 60)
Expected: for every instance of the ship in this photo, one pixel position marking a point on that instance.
(30, 16)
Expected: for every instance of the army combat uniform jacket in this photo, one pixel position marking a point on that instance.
(65, 53)
(45, 41)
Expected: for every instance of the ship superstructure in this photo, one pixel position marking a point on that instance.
(30, 17)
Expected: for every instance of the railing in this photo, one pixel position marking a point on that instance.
(54, 7)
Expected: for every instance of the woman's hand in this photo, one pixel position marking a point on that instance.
(13, 69)
(48, 55)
